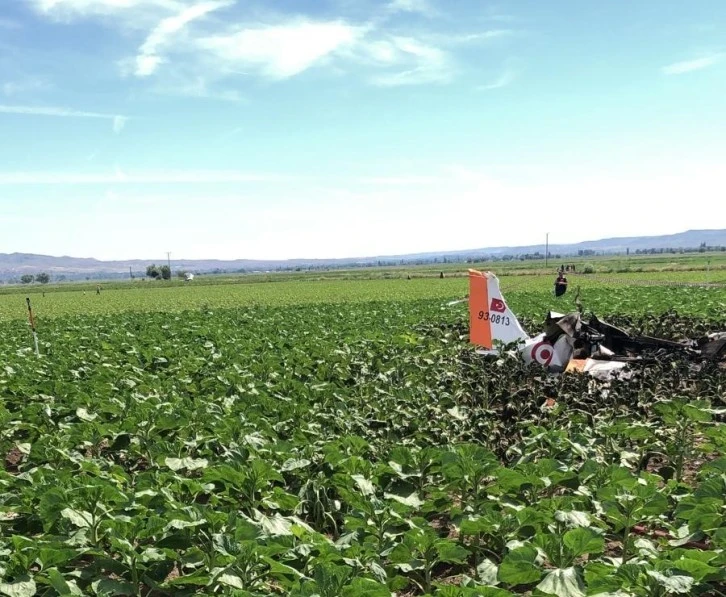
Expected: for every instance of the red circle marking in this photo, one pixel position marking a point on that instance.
(542, 353)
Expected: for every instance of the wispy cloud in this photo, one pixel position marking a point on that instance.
(687, 66)
(285, 50)
(26, 85)
(53, 111)
(409, 62)
(489, 34)
(117, 121)
(423, 7)
(149, 57)
(202, 53)
(506, 78)
(120, 176)
(70, 8)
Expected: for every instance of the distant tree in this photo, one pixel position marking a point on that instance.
(165, 272)
(153, 272)
(27, 278)
(43, 278)
(181, 274)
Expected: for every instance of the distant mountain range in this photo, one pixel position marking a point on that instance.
(14, 265)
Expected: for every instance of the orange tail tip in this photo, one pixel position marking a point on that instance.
(480, 330)
(491, 320)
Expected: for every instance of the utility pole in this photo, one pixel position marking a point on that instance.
(168, 260)
(547, 248)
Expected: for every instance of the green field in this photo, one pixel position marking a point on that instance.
(633, 288)
(341, 438)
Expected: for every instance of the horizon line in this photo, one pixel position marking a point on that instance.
(444, 252)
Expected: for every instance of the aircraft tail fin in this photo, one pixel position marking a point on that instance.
(490, 319)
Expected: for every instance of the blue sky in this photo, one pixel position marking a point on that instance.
(332, 128)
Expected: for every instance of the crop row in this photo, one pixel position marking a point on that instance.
(357, 449)
(529, 295)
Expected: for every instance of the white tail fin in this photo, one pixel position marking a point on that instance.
(490, 319)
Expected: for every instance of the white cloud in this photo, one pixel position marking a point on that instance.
(480, 36)
(381, 52)
(148, 58)
(421, 63)
(146, 65)
(53, 111)
(202, 53)
(281, 51)
(118, 121)
(687, 66)
(69, 8)
(24, 86)
(424, 59)
(423, 7)
(505, 79)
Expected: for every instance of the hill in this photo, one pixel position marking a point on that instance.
(14, 265)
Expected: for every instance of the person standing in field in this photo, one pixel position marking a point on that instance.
(98, 289)
(560, 284)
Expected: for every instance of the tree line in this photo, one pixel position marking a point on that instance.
(163, 272)
(41, 278)
(158, 272)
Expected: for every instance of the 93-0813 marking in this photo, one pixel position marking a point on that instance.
(494, 318)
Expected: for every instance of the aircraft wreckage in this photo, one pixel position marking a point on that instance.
(570, 342)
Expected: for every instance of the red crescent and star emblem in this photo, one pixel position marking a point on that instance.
(498, 306)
